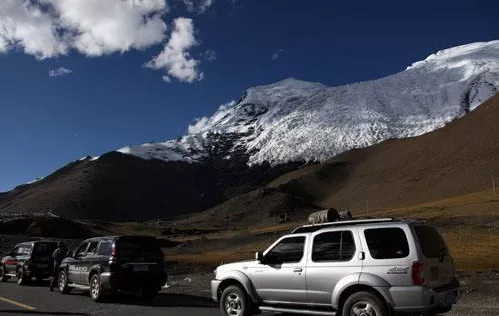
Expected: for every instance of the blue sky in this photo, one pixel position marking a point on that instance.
(112, 99)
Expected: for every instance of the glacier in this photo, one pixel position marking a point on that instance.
(294, 120)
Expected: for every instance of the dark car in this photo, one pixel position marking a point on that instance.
(115, 264)
(28, 260)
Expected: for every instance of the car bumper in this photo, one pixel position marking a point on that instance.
(214, 289)
(423, 299)
(115, 282)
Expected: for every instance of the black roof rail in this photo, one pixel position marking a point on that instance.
(316, 227)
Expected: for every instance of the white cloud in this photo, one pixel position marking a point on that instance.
(175, 58)
(209, 55)
(198, 6)
(24, 25)
(199, 126)
(60, 72)
(49, 28)
(277, 54)
(105, 27)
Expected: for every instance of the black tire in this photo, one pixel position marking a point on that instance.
(234, 302)
(364, 303)
(62, 282)
(95, 288)
(3, 277)
(21, 277)
(148, 295)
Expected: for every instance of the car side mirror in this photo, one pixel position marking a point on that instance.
(259, 256)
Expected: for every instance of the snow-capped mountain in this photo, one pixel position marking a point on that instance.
(294, 120)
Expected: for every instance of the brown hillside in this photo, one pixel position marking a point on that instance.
(457, 159)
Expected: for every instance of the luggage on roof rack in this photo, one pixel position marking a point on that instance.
(316, 227)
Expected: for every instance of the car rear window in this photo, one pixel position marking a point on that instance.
(430, 241)
(387, 243)
(131, 246)
(43, 249)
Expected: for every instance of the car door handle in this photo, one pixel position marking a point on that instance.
(297, 270)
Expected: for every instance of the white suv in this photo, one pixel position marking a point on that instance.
(372, 267)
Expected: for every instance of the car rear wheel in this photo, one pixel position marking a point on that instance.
(364, 304)
(95, 288)
(234, 302)
(22, 279)
(62, 282)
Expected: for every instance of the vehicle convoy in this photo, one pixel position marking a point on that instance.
(370, 267)
(28, 261)
(114, 264)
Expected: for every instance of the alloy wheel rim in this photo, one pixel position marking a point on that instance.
(363, 308)
(62, 281)
(233, 305)
(95, 288)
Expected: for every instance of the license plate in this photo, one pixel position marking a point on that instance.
(434, 273)
(141, 268)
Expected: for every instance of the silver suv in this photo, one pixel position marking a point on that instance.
(374, 267)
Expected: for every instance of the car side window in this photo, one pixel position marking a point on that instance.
(105, 248)
(387, 243)
(288, 250)
(333, 246)
(92, 248)
(81, 250)
(23, 250)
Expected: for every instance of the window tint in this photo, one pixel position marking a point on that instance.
(288, 250)
(92, 249)
(333, 246)
(134, 247)
(432, 244)
(81, 250)
(387, 243)
(105, 248)
(44, 249)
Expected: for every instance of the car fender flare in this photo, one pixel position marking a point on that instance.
(342, 285)
(244, 280)
(378, 284)
(96, 268)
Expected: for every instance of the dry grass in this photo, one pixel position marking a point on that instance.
(469, 223)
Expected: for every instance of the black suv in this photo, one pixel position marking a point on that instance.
(109, 265)
(28, 260)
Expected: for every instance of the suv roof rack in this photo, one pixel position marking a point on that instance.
(316, 227)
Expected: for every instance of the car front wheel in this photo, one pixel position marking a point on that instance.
(22, 279)
(3, 277)
(364, 304)
(234, 302)
(62, 282)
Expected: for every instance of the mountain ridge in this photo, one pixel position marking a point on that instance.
(278, 123)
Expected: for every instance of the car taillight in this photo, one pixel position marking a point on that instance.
(114, 256)
(418, 273)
